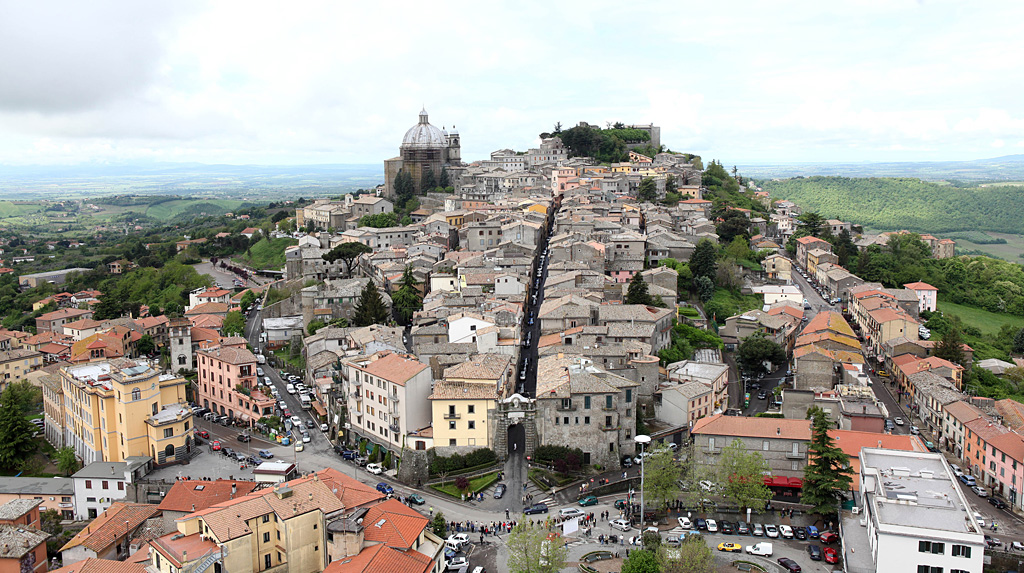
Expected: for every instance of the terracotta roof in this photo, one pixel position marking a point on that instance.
(94, 565)
(1012, 412)
(741, 426)
(963, 411)
(919, 286)
(1011, 443)
(65, 313)
(393, 524)
(852, 442)
(83, 324)
(377, 558)
(394, 368)
(829, 320)
(462, 391)
(351, 492)
(175, 548)
(110, 525)
(229, 354)
(208, 308)
(481, 367)
(196, 495)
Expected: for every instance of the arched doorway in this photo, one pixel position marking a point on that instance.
(169, 451)
(516, 438)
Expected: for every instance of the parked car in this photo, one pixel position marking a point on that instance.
(800, 533)
(757, 530)
(215, 445)
(459, 539)
(732, 547)
(980, 491)
(763, 549)
(324, 427)
(349, 454)
(771, 530)
(831, 555)
(998, 503)
(243, 437)
(898, 421)
(589, 500)
(458, 562)
(684, 522)
(968, 480)
(375, 469)
(789, 565)
(829, 537)
(385, 488)
(786, 531)
(814, 552)
(701, 523)
(726, 527)
(567, 512)
(743, 528)
(536, 508)
(620, 524)
(915, 430)
(627, 462)
(265, 454)
(203, 434)
(416, 499)
(712, 525)
(227, 452)
(499, 491)
(812, 532)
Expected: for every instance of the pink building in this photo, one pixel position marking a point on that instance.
(1005, 471)
(227, 382)
(927, 295)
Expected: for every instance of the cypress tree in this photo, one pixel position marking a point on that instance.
(15, 432)
(371, 308)
(637, 293)
(827, 474)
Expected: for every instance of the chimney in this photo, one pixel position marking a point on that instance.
(778, 431)
(234, 488)
(193, 508)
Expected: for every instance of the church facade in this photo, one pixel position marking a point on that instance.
(424, 148)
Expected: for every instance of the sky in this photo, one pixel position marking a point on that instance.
(312, 82)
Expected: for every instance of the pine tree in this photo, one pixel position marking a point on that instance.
(670, 184)
(371, 308)
(827, 473)
(1018, 341)
(405, 189)
(445, 179)
(637, 293)
(648, 191)
(15, 432)
(951, 347)
(429, 180)
(407, 300)
(702, 261)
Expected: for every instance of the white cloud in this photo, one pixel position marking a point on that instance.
(336, 82)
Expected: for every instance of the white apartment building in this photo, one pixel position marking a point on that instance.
(910, 516)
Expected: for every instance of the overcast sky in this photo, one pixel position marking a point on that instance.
(340, 82)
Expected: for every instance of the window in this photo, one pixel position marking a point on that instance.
(472, 425)
(608, 401)
(451, 424)
(156, 408)
(471, 409)
(266, 537)
(88, 484)
(931, 547)
(451, 442)
(961, 551)
(565, 420)
(266, 518)
(586, 402)
(928, 569)
(168, 432)
(136, 394)
(586, 420)
(764, 445)
(266, 561)
(629, 395)
(451, 410)
(120, 486)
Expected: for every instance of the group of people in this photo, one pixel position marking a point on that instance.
(493, 528)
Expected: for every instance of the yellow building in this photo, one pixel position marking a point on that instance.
(16, 364)
(283, 529)
(460, 403)
(122, 408)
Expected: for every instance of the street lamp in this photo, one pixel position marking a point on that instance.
(642, 440)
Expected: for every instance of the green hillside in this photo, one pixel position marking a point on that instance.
(902, 203)
(170, 209)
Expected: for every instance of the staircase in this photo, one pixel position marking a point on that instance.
(203, 564)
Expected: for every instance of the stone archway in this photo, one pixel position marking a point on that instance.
(514, 422)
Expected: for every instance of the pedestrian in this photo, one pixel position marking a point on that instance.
(431, 511)
(506, 514)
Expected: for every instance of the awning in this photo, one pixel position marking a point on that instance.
(782, 481)
(320, 410)
(244, 417)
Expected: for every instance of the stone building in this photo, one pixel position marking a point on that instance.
(424, 148)
(781, 442)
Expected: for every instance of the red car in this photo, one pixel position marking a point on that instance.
(203, 434)
(215, 445)
(830, 554)
(829, 537)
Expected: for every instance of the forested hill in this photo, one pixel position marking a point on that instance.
(903, 203)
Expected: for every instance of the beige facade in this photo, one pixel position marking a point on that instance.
(114, 410)
(16, 364)
(460, 404)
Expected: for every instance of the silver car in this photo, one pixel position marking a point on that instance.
(757, 530)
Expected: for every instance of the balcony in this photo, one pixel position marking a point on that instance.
(394, 428)
(796, 456)
(450, 416)
(609, 428)
(355, 383)
(607, 408)
(566, 407)
(394, 398)
(357, 395)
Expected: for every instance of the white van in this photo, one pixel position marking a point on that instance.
(290, 388)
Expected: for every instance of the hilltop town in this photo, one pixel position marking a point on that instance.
(622, 350)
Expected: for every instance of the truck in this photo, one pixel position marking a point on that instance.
(306, 402)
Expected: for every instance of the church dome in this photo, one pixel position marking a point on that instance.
(424, 135)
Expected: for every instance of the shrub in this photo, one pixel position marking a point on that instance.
(458, 462)
(462, 483)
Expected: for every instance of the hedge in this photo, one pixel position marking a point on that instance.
(457, 463)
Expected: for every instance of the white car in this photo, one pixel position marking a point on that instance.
(637, 540)
(323, 427)
(898, 420)
(296, 421)
(306, 438)
(707, 486)
(771, 531)
(570, 512)
(459, 539)
(299, 447)
(456, 563)
(981, 520)
(786, 531)
(712, 526)
(684, 522)
(375, 469)
(763, 549)
(620, 524)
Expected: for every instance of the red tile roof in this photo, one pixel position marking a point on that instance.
(94, 565)
(852, 442)
(380, 558)
(919, 286)
(742, 426)
(110, 525)
(196, 495)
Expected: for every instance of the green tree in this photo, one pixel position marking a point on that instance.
(49, 521)
(705, 288)
(248, 299)
(346, 253)
(757, 349)
(408, 299)
(648, 191)
(67, 461)
(661, 474)
(405, 188)
(670, 184)
(530, 551)
(16, 441)
(734, 224)
(445, 179)
(24, 395)
(951, 347)
(812, 223)
(692, 556)
(1018, 341)
(371, 308)
(739, 475)
(827, 475)
(314, 326)
(438, 525)
(637, 292)
(145, 344)
(702, 261)
(429, 180)
(641, 561)
(378, 220)
(234, 324)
